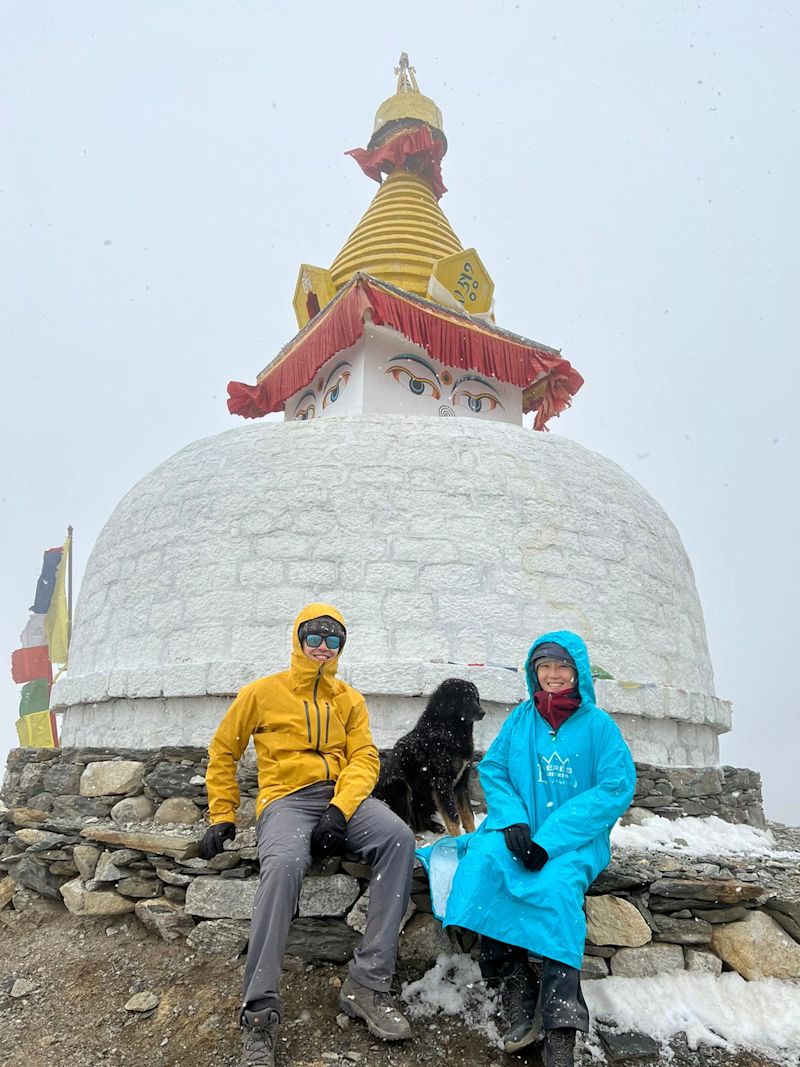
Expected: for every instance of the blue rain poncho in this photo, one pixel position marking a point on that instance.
(569, 789)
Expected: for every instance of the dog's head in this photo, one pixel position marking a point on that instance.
(455, 700)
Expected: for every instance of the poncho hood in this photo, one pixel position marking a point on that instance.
(577, 649)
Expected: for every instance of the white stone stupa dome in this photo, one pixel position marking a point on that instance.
(448, 545)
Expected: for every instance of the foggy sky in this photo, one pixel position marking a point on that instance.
(628, 174)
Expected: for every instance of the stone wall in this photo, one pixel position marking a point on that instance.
(109, 832)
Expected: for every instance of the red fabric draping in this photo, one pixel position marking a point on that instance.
(28, 664)
(446, 335)
(415, 149)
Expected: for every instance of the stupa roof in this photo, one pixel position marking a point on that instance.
(453, 337)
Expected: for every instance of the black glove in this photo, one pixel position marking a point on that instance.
(327, 837)
(520, 845)
(213, 840)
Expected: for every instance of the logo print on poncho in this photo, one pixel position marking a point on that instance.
(553, 770)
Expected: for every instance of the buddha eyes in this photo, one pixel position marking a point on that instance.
(476, 402)
(333, 392)
(307, 412)
(419, 386)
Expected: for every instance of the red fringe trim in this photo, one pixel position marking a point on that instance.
(447, 336)
(416, 150)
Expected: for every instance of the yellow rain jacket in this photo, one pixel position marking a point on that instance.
(307, 726)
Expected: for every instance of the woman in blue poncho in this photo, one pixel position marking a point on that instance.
(556, 778)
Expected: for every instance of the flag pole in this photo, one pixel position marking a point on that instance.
(69, 587)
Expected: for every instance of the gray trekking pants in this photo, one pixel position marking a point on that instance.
(374, 834)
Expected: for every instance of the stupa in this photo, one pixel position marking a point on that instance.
(402, 486)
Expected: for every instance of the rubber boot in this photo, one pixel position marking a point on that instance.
(520, 997)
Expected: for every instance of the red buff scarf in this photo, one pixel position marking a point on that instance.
(556, 708)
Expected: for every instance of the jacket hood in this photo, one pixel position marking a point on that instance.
(577, 649)
(303, 669)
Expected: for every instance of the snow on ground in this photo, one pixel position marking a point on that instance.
(726, 1012)
(454, 986)
(710, 836)
(762, 1016)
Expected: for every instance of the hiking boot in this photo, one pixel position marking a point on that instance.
(559, 1048)
(258, 1038)
(520, 999)
(379, 1010)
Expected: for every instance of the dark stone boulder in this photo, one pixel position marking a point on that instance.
(321, 940)
(174, 780)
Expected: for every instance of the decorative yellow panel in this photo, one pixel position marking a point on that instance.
(313, 291)
(466, 280)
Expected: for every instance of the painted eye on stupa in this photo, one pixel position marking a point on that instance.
(333, 392)
(419, 386)
(476, 402)
(306, 412)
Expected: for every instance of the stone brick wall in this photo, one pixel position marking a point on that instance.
(115, 831)
(441, 541)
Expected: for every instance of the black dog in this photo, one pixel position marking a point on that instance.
(428, 768)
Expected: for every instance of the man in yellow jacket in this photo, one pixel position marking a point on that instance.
(317, 766)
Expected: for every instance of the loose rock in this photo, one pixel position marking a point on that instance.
(21, 988)
(144, 1001)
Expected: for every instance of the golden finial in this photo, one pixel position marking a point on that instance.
(408, 104)
(406, 75)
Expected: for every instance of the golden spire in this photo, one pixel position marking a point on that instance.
(406, 76)
(402, 234)
(404, 231)
(408, 105)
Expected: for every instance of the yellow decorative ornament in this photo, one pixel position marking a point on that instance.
(313, 291)
(403, 233)
(462, 281)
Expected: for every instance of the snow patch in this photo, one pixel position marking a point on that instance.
(454, 986)
(695, 836)
(727, 1012)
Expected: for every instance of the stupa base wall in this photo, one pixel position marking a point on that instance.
(149, 722)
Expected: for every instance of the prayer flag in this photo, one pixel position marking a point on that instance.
(35, 696)
(38, 730)
(28, 664)
(33, 634)
(47, 581)
(56, 623)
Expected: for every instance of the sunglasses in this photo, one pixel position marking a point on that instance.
(331, 641)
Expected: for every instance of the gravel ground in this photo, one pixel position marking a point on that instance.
(77, 976)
